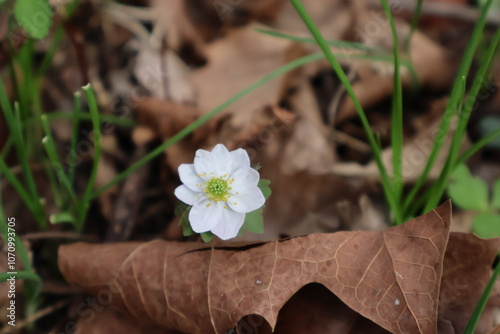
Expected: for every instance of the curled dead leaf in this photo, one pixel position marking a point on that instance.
(393, 277)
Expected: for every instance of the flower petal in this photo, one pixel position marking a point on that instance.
(205, 215)
(188, 176)
(244, 178)
(248, 201)
(230, 224)
(240, 159)
(212, 164)
(188, 196)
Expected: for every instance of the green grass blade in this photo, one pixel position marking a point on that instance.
(54, 185)
(74, 137)
(463, 119)
(24, 88)
(6, 147)
(413, 25)
(20, 248)
(4, 169)
(29, 195)
(203, 119)
(454, 100)
(386, 182)
(50, 147)
(373, 54)
(22, 155)
(477, 146)
(339, 44)
(29, 95)
(25, 274)
(52, 172)
(478, 310)
(94, 115)
(429, 195)
(397, 112)
(15, 130)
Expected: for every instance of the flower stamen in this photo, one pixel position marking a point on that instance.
(216, 189)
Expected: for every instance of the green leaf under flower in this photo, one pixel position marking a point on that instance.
(254, 222)
(207, 236)
(182, 211)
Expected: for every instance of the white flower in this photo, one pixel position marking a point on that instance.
(221, 187)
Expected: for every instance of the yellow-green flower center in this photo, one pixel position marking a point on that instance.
(217, 189)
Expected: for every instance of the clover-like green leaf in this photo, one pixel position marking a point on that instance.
(486, 225)
(264, 187)
(467, 191)
(254, 222)
(35, 16)
(207, 236)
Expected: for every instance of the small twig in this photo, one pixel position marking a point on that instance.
(338, 97)
(336, 135)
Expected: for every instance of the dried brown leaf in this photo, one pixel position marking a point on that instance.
(110, 322)
(459, 293)
(234, 63)
(433, 64)
(316, 154)
(165, 118)
(415, 155)
(314, 310)
(391, 277)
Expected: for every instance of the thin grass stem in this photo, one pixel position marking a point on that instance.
(477, 146)
(4, 169)
(455, 97)
(50, 147)
(373, 54)
(74, 137)
(20, 248)
(96, 131)
(413, 25)
(463, 118)
(397, 112)
(386, 182)
(481, 304)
